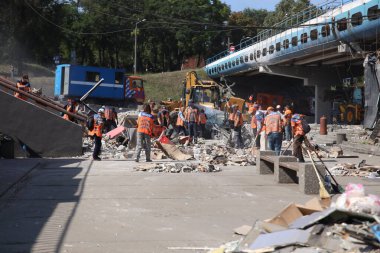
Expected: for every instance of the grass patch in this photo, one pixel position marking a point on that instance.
(161, 86)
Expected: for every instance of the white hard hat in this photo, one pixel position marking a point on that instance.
(101, 110)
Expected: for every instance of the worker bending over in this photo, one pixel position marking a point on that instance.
(273, 129)
(163, 117)
(110, 116)
(23, 85)
(144, 132)
(299, 136)
(96, 133)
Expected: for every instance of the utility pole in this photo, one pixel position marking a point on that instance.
(135, 61)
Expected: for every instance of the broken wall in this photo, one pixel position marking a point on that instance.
(45, 133)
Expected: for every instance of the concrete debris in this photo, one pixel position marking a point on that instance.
(179, 167)
(349, 225)
(348, 169)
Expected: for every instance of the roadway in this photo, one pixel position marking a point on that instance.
(76, 205)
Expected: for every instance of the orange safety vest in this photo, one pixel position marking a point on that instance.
(98, 126)
(179, 121)
(238, 119)
(145, 124)
(22, 87)
(72, 109)
(287, 117)
(297, 128)
(202, 118)
(272, 123)
(254, 122)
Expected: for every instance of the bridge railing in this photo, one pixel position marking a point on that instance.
(291, 22)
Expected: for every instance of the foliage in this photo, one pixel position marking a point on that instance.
(102, 32)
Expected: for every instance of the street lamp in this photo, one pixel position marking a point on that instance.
(135, 62)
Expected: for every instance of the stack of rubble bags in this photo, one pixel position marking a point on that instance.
(351, 224)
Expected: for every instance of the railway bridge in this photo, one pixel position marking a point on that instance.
(302, 57)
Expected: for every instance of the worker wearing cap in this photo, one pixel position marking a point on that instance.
(279, 110)
(273, 129)
(72, 107)
(144, 133)
(96, 133)
(286, 121)
(238, 123)
(23, 85)
(299, 136)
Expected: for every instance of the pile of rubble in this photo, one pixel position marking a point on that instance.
(177, 167)
(219, 154)
(351, 224)
(360, 170)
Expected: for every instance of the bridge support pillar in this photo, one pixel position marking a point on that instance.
(319, 77)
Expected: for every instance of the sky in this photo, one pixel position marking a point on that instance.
(239, 5)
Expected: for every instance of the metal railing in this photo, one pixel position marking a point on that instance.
(291, 22)
(40, 100)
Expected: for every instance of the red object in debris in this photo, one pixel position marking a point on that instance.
(165, 140)
(232, 49)
(157, 130)
(115, 132)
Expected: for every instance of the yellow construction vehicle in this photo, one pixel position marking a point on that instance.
(207, 94)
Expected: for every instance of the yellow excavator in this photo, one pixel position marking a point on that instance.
(209, 94)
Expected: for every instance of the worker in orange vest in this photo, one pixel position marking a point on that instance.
(238, 123)
(202, 123)
(299, 136)
(144, 133)
(273, 129)
(96, 133)
(181, 121)
(287, 124)
(23, 85)
(191, 116)
(72, 107)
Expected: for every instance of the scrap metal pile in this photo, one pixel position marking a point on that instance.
(351, 224)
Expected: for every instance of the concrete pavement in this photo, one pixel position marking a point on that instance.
(74, 205)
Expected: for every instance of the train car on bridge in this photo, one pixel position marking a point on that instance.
(332, 32)
(73, 81)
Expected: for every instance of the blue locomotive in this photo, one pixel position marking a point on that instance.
(73, 81)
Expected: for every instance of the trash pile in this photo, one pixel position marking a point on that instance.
(360, 170)
(178, 167)
(219, 154)
(351, 224)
